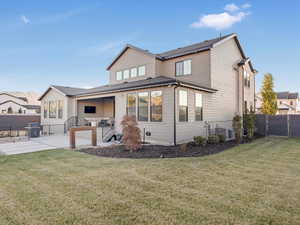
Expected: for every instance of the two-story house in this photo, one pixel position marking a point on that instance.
(174, 94)
(11, 104)
(287, 102)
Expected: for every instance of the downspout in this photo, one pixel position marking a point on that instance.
(175, 114)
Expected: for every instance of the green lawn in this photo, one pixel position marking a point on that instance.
(257, 183)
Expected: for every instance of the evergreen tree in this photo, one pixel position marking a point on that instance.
(269, 104)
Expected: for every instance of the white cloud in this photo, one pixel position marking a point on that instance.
(219, 21)
(25, 20)
(231, 7)
(246, 6)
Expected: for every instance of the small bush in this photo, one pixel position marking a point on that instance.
(200, 141)
(131, 133)
(222, 138)
(213, 139)
(237, 127)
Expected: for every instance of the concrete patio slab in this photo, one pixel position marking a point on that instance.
(46, 143)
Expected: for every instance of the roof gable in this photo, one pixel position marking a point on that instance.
(66, 91)
(24, 99)
(12, 102)
(190, 49)
(146, 52)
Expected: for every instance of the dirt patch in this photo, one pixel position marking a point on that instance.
(159, 151)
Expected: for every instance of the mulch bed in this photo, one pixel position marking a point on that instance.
(159, 151)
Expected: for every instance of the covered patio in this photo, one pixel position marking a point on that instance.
(97, 111)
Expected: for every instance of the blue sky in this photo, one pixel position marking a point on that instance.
(72, 42)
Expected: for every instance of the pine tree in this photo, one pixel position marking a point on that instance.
(269, 104)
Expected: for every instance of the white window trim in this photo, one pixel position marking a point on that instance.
(182, 61)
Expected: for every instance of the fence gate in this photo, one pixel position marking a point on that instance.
(278, 125)
(260, 124)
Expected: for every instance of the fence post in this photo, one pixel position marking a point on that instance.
(267, 125)
(288, 125)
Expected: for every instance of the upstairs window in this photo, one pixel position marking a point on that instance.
(126, 74)
(119, 75)
(183, 106)
(246, 78)
(143, 101)
(198, 107)
(131, 104)
(142, 70)
(133, 72)
(183, 68)
(156, 106)
(245, 106)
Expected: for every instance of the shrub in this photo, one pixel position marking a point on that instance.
(249, 124)
(237, 127)
(131, 133)
(213, 139)
(222, 138)
(199, 140)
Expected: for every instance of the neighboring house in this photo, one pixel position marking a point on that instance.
(11, 104)
(174, 94)
(287, 103)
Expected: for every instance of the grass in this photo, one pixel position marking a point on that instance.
(257, 183)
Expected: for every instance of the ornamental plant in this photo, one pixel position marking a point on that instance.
(237, 127)
(249, 124)
(131, 133)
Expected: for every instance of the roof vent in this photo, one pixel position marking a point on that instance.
(148, 78)
(125, 82)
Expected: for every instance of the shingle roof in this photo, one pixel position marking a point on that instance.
(133, 85)
(32, 107)
(287, 95)
(190, 49)
(68, 90)
(14, 96)
(204, 45)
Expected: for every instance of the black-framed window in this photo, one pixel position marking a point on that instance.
(156, 106)
(90, 109)
(131, 104)
(183, 106)
(143, 103)
(198, 107)
(183, 67)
